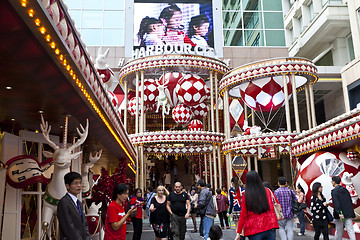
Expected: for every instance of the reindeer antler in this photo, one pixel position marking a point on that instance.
(97, 156)
(45, 129)
(83, 135)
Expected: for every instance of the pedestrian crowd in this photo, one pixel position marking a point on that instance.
(255, 209)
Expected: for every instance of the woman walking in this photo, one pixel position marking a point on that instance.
(301, 216)
(193, 203)
(159, 217)
(115, 225)
(137, 221)
(223, 205)
(235, 196)
(257, 217)
(318, 208)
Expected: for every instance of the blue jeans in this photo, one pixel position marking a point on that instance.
(301, 218)
(207, 223)
(286, 231)
(267, 235)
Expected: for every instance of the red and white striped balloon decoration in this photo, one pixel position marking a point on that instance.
(191, 90)
(200, 111)
(195, 125)
(181, 114)
(132, 106)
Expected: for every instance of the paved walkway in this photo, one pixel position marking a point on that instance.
(228, 234)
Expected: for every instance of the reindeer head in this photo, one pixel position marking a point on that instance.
(62, 156)
(100, 62)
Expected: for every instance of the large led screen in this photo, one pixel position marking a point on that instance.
(163, 24)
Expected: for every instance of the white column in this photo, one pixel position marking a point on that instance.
(216, 104)
(249, 163)
(126, 103)
(219, 164)
(308, 111)
(256, 163)
(212, 102)
(227, 135)
(287, 107)
(312, 105)
(137, 103)
(141, 128)
(215, 168)
(296, 108)
(211, 170)
(252, 117)
(141, 150)
(206, 171)
(137, 167)
(228, 168)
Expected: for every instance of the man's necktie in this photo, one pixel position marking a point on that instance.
(79, 207)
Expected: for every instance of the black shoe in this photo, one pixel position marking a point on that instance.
(194, 231)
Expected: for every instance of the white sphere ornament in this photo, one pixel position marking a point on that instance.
(181, 114)
(191, 90)
(195, 125)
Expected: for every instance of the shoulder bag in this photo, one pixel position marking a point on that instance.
(277, 207)
(295, 205)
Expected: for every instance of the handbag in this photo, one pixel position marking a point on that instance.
(295, 205)
(277, 207)
(329, 216)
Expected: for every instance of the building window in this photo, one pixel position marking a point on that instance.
(350, 47)
(252, 22)
(100, 22)
(311, 11)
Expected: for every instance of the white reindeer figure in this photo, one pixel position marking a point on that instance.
(87, 174)
(95, 226)
(62, 157)
(162, 99)
(105, 72)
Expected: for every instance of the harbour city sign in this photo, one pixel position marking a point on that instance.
(185, 48)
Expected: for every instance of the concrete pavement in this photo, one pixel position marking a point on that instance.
(228, 234)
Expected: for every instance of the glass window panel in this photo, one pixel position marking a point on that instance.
(71, 4)
(76, 16)
(273, 5)
(233, 38)
(251, 4)
(232, 20)
(114, 4)
(92, 4)
(275, 38)
(252, 20)
(351, 48)
(273, 20)
(91, 37)
(92, 19)
(113, 37)
(114, 19)
(254, 38)
(231, 5)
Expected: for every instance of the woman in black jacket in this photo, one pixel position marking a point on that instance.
(318, 208)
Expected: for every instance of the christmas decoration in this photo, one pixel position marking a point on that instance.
(181, 114)
(200, 111)
(191, 90)
(132, 106)
(195, 125)
(113, 99)
(170, 80)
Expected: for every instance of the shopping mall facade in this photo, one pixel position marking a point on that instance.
(51, 63)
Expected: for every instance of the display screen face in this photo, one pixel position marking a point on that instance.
(160, 23)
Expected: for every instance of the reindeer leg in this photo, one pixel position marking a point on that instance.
(47, 216)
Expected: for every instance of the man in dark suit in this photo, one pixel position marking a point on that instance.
(343, 209)
(72, 221)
